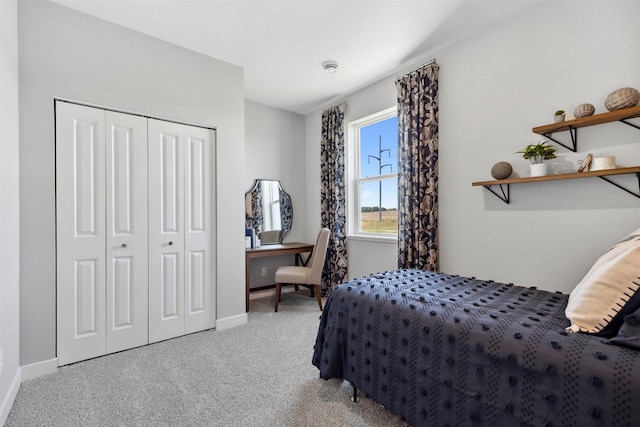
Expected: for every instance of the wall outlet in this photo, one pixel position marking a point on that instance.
(1, 360)
(264, 271)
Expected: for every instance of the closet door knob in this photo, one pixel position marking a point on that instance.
(124, 245)
(170, 243)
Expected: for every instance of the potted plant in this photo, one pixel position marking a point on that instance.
(536, 153)
(558, 116)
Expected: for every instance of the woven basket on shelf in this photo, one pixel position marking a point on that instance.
(622, 98)
(584, 110)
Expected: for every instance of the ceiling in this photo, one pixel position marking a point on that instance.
(281, 45)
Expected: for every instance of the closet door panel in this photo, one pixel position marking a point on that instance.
(170, 286)
(199, 306)
(86, 286)
(127, 231)
(166, 230)
(196, 280)
(80, 232)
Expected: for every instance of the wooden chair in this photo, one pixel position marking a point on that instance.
(305, 276)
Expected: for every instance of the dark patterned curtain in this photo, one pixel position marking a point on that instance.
(286, 211)
(332, 196)
(254, 216)
(418, 168)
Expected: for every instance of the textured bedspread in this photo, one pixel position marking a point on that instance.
(446, 350)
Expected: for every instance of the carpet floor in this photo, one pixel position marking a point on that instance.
(258, 374)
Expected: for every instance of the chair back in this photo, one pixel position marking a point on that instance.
(318, 256)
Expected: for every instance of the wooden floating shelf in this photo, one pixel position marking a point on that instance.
(505, 196)
(573, 125)
(596, 119)
(575, 175)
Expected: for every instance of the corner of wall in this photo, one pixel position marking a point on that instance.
(231, 322)
(39, 369)
(10, 397)
(10, 211)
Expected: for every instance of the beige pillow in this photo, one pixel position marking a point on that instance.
(608, 292)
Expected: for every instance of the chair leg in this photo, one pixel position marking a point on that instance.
(317, 287)
(278, 289)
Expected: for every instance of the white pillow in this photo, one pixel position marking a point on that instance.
(598, 304)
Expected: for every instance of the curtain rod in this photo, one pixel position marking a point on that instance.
(343, 103)
(433, 61)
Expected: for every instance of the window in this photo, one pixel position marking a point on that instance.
(372, 172)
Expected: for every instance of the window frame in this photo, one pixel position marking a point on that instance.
(354, 181)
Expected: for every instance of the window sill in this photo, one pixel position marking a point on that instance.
(373, 238)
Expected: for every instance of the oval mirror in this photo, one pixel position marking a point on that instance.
(268, 211)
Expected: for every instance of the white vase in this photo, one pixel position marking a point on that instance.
(538, 169)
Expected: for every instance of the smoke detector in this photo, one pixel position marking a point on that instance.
(330, 66)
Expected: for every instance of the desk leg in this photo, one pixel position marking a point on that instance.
(247, 277)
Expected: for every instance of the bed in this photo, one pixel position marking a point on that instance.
(446, 350)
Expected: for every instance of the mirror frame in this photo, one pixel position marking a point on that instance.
(254, 196)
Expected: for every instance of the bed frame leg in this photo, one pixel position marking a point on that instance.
(355, 397)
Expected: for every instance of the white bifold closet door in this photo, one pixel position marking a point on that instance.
(180, 230)
(134, 230)
(101, 215)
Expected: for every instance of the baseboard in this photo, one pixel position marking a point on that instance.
(262, 288)
(268, 291)
(39, 369)
(231, 322)
(261, 294)
(7, 403)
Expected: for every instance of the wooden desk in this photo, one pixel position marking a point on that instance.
(296, 248)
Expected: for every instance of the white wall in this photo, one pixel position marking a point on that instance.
(64, 53)
(9, 208)
(274, 149)
(493, 89)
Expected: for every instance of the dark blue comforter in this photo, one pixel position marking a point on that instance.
(440, 350)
